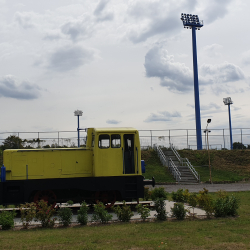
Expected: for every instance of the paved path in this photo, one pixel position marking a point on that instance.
(231, 187)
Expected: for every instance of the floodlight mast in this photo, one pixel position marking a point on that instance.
(78, 113)
(228, 101)
(193, 22)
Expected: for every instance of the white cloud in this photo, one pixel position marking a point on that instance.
(213, 9)
(222, 73)
(101, 12)
(177, 77)
(25, 19)
(69, 58)
(213, 50)
(10, 88)
(112, 121)
(77, 29)
(162, 116)
(246, 57)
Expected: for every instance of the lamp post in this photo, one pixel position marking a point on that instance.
(192, 22)
(206, 131)
(228, 101)
(78, 113)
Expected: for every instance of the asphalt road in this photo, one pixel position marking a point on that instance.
(231, 187)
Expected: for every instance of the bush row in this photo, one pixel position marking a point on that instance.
(221, 206)
(224, 205)
(45, 214)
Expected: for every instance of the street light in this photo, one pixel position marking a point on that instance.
(193, 22)
(78, 113)
(206, 131)
(228, 101)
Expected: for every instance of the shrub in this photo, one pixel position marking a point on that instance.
(186, 195)
(208, 205)
(202, 197)
(123, 213)
(100, 214)
(179, 211)
(45, 213)
(7, 219)
(147, 194)
(143, 210)
(158, 193)
(28, 213)
(70, 203)
(65, 216)
(192, 200)
(82, 216)
(226, 206)
(180, 195)
(160, 208)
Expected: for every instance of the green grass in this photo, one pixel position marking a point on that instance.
(217, 175)
(154, 168)
(223, 233)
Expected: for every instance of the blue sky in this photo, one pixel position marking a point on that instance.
(123, 63)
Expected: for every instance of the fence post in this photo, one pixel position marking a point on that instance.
(187, 138)
(151, 138)
(241, 138)
(58, 138)
(224, 138)
(169, 136)
(18, 140)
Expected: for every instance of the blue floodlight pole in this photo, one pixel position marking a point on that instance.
(78, 113)
(228, 101)
(192, 22)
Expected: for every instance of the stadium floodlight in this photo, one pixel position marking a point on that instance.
(78, 113)
(193, 22)
(228, 101)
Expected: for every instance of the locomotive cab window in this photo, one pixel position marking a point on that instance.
(115, 141)
(104, 141)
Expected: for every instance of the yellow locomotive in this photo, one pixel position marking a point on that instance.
(107, 169)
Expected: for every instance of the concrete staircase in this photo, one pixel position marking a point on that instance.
(186, 174)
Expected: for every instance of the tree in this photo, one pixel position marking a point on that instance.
(238, 145)
(13, 142)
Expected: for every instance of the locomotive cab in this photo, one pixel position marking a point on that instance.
(116, 152)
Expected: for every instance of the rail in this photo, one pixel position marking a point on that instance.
(185, 162)
(168, 163)
(174, 170)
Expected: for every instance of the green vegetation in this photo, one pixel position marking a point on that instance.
(45, 213)
(143, 211)
(7, 219)
(179, 211)
(218, 175)
(101, 214)
(65, 216)
(219, 233)
(82, 214)
(227, 165)
(154, 168)
(123, 213)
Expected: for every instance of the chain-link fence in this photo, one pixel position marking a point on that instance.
(180, 138)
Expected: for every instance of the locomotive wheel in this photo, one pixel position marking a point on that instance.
(108, 198)
(46, 195)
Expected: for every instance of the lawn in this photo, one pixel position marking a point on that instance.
(218, 175)
(154, 167)
(223, 233)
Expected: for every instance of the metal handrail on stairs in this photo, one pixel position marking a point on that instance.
(168, 163)
(185, 162)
